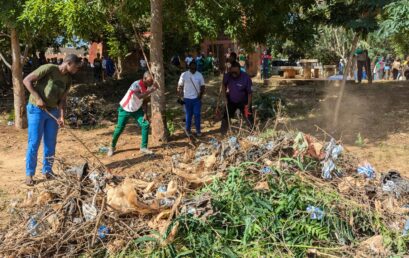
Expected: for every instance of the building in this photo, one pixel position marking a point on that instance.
(220, 48)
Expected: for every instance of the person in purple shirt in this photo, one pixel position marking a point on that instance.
(237, 86)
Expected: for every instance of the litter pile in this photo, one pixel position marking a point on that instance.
(88, 210)
(88, 111)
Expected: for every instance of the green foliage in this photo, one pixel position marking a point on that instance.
(395, 25)
(274, 222)
(332, 44)
(11, 115)
(80, 17)
(267, 106)
(358, 15)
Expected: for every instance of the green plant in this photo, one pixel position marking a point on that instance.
(359, 140)
(171, 114)
(273, 223)
(10, 115)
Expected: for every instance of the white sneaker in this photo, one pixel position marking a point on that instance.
(146, 151)
(111, 152)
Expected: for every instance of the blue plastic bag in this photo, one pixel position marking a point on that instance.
(315, 212)
(367, 170)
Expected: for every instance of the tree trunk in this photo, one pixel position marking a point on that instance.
(18, 87)
(119, 68)
(348, 67)
(158, 104)
(3, 83)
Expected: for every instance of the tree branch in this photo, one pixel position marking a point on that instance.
(2, 34)
(5, 61)
(25, 53)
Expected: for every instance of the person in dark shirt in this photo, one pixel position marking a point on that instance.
(238, 91)
(98, 68)
(388, 66)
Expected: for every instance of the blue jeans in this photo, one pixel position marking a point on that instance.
(41, 126)
(193, 108)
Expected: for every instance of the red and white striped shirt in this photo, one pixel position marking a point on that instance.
(130, 102)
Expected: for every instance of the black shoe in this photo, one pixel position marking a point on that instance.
(49, 176)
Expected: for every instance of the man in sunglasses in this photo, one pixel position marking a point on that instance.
(237, 87)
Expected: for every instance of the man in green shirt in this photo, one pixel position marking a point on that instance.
(48, 87)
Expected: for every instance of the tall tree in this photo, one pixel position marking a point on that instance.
(27, 30)
(158, 103)
(9, 17)
(18, 86)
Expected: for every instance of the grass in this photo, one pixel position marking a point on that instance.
(10, 115)
(269, 223)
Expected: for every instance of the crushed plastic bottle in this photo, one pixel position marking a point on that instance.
(32, 226)
(233, 143)
(162, 189)
(166, 202)
(315, 212)
(10, 123)
(103, 232)
(89, 211)
(406, 228)
(103, 150)
(191, 210)
(332, 153)
(269, 146)
(327, 168)
(266, 170)
(214, 142)
(98, 180)
(254, 139)
(367, 170)
(77, 220)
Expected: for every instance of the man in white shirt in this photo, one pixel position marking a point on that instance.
(188, 60)
(135, 104)
(192, 85)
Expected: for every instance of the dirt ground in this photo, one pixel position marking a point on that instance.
(378, 113)
(373, 122)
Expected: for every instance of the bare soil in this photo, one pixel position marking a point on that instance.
(373, 122)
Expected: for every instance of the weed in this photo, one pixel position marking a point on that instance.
(170, 120)
(10, 115)
(359, 140)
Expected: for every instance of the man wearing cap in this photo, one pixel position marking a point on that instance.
(135, 104)
(48, 86)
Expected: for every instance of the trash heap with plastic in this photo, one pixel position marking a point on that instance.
(88, 111)
(86, 209)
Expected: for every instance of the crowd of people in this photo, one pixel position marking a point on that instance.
(389, 67)
(204, 64)
(49, 85)
(380, 68)
(102, 68)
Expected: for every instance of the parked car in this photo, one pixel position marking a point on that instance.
(278, 64)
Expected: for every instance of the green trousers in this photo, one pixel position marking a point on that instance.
(123, 117)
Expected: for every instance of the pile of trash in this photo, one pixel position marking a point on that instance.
(88, 111)
(85, 208)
